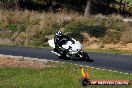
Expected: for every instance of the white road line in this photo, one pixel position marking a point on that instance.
(88, 66)
(98, 68)
(110, 70)
(120, 72)
(103, 69)
(106, 70)
(115, 71)
(126, 73)
(92, 67)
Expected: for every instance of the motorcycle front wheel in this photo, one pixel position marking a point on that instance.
(84, 56)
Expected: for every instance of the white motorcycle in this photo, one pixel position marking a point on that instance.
(74, 50)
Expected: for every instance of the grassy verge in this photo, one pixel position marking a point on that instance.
(63, 76)
(112, 51)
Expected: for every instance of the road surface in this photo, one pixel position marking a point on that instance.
(122, 63)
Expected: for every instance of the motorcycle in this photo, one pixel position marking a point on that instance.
(73, 48)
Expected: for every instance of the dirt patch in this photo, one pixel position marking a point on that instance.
(94, 43)
(110, 46)
(12, 62)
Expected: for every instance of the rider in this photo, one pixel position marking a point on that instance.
(57, 41)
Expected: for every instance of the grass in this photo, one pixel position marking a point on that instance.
(30, 28)
(65, 75)
(112, 51)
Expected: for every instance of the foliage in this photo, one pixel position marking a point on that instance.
(39, 39)
(98, 6)
(108, 30)
(112, 36)
(8, 3)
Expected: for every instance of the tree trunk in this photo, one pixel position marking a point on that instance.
(108, 5)
(20, 4)
(87, 9)
(16, 4)
(120, 7)
(124, 6)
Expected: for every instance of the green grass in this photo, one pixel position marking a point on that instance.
(112, 51)
(63, 76)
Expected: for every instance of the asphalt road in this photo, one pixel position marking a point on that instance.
(122, 63)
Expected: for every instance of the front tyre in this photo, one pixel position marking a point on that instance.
(84, 56)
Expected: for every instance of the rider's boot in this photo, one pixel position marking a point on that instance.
(57, 52)
(66, 52)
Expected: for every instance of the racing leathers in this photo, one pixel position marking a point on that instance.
(59, 41)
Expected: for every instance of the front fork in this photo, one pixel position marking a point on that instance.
(79, 54)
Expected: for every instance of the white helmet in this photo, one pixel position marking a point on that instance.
(59, 33)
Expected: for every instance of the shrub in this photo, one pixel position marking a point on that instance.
(127, 37)
(77, 36)
(112, 36)
(109, 29)
(22, 25)
(93, 31)
(39, 39)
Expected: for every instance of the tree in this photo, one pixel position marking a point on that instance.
(9, 4)
(124, 7)
(87, 9)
